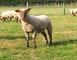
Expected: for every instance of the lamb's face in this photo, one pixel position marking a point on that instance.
(22, 13)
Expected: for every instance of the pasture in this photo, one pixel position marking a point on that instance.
(64, 47)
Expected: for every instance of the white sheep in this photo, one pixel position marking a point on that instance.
(13, 14)
(35, 24)
(9, 14)
(73, 12)
(4, 15)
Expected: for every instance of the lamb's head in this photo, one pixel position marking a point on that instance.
(23, 13)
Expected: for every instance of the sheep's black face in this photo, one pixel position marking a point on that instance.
(23, 13)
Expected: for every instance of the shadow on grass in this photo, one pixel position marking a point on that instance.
(14, 37)
(71, 41)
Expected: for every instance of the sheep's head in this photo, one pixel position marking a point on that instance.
(23, 13)
(1, 18)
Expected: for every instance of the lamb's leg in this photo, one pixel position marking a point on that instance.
(27, 38)
(45, 36)
(50, 34)
(34, 38)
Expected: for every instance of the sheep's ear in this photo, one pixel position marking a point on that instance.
(17, 11)
(29, 9)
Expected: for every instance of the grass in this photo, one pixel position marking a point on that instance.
(13, 44)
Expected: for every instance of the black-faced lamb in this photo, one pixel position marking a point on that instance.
(35, 24)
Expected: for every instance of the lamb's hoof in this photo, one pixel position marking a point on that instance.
(27, 46)
(35, 47)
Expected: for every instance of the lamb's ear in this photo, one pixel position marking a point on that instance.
(17, 11)
(29, 9)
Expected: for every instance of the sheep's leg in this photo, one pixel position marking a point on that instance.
(34, 38)
(7, 19)
(4, 19)
(50, 34)
(45, 36)
(70, 14)
(27, 38)
(20, 20)
(16, 19)
(10, 18)
(74, 14)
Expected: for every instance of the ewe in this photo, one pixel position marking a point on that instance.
(35, 24)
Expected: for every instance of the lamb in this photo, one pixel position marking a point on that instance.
(35, 24)
(73, 12)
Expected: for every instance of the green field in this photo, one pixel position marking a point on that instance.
(64, 47)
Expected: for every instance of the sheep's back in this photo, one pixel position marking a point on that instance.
(39, 23)
(42, 22)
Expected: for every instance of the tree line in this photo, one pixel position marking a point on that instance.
(23, 2)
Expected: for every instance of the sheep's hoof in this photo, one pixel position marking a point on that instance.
(47, 42)
(51, 43)
(27, 45)
(35, 47)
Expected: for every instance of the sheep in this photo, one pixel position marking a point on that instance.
(14, 14)
(73, 12)
(35, 24)
(9, 14)
(4, 15)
